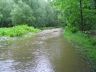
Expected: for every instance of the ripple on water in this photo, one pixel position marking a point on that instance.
(47, 53)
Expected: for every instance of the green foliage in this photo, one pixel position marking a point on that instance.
(71, 28)
(22, 13)
(17, 30)
(37, 13)
(42, 13)
(71, 13)
(89, 19)
(5, 9)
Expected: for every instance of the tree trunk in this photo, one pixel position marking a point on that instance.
(81, 17)
(95, 4)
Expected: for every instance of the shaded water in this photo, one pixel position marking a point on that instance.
(47, 52)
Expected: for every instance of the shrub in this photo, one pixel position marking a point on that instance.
(17, 30)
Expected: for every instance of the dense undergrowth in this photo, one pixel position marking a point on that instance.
(17, 30)
(87, 45)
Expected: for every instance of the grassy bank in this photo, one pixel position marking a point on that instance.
(17, 30)
(87, 44)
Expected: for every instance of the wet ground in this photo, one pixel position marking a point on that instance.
(47, 52)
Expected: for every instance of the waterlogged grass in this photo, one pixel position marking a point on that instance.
(17, 30)
(87, 44)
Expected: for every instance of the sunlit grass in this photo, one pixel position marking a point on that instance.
(17, 30)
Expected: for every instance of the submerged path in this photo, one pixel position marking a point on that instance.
(47, 52)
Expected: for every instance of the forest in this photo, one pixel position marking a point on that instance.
(37, 13)
(76, 17)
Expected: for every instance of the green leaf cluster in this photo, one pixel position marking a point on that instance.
(17, 30)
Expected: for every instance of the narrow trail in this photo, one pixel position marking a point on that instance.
(47, 52)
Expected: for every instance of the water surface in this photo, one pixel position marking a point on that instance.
(47, 52)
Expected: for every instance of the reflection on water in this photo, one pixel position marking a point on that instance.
(41, 55)
(43, 64)
(5, 66)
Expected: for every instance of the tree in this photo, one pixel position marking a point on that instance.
(81, 16)
(5, 8)
(77, 14)
(22, 14)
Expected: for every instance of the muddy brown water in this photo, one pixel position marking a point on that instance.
(47, 52)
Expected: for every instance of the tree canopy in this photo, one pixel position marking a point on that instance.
(74, 14)
(78, 14)
(31, 12)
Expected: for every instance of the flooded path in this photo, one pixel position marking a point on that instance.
(47, 52)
